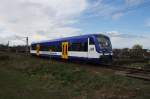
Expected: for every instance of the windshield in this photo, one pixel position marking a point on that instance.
(103, 41)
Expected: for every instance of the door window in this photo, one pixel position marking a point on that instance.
(91, 41)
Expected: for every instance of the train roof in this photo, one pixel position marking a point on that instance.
(68, 38)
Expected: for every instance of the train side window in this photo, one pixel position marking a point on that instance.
(75, 46)
(85, 46)
(53, 48)
(43, 48)
(91, 41)
(59, 47)
(33, 47)
(69, 47)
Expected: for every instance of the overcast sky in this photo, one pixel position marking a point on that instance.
(126, 22)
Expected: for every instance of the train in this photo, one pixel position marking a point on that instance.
(96, 48)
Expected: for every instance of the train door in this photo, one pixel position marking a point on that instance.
(91, 48)
(64, 50)
(37, 49)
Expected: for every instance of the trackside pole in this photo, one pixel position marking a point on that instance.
(27, 45)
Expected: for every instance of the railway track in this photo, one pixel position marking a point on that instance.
(133, 72)
(125, 71)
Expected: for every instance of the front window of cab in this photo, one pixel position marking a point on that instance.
(104, 42)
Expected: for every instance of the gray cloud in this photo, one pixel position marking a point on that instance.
(39, 19)
(48, 19)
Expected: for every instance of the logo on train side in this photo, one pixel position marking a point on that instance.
(92, 49)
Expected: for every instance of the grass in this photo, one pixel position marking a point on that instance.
(26, 77)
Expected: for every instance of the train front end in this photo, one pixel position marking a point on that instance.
(104, 49)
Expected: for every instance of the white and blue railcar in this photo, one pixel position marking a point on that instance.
(92, 47)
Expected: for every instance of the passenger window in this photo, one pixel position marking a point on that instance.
(79, 46)
(85, 46)
(91, 41)
(44, 48)
(33, 47)
(75, 46)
